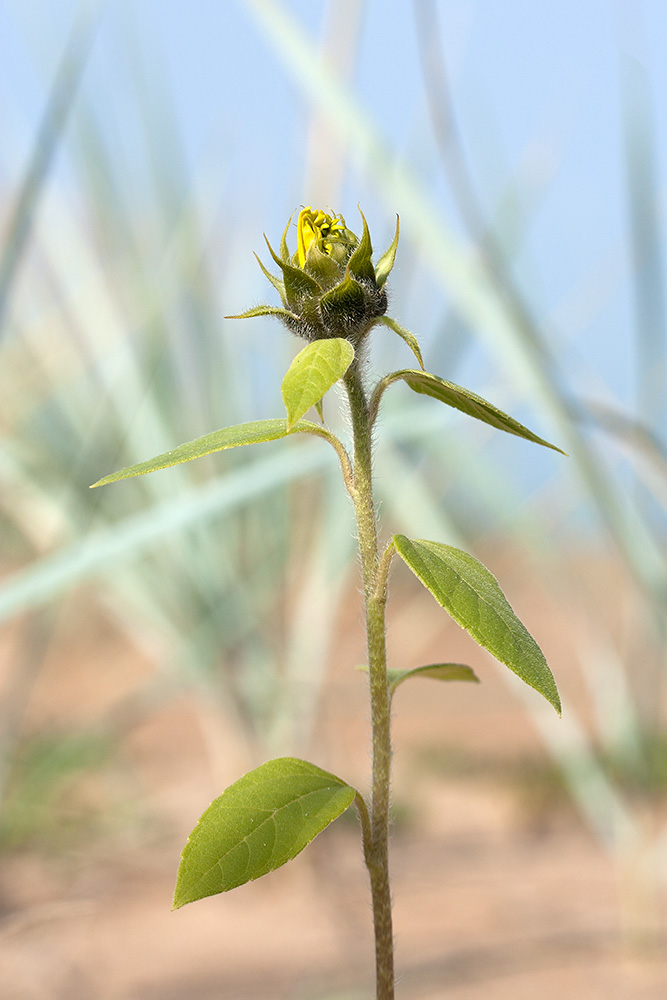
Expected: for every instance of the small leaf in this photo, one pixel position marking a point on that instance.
(470, 593)
(465, 401)
(254, 432)
(360, 264)
(435, 671)
(408, 337)
(314, 370)
(386, 261)
(259, 823)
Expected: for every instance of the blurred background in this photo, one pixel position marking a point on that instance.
(164, 635)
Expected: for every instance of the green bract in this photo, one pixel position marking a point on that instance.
(329, 288)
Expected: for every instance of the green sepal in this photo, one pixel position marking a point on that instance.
(320, 409)
(344, 305)
(258, 824)
(464, 400)
(326, 271)
(284, 249)
(276, 282)
(253, 432)
(360, 264)
(265, 311)
(405, 335)
(312, 373)
(343, 248)
(298, 284)
(386, 261)
(471, 595)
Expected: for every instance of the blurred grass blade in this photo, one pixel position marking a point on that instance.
(648, 262)
(124, 539)
(48, 577)
(61, 98)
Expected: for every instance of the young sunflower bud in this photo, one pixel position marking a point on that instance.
(329, 287)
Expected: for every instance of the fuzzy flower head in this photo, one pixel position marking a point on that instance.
(329, 287)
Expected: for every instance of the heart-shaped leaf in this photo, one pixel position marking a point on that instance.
(470, 593)
(254, 432)
(463, 400)
(314, 370)
(259, 823)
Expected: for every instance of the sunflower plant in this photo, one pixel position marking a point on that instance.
(332, 296)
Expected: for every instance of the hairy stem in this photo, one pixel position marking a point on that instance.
(375, 597)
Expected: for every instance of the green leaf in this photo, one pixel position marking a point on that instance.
(386, 261)
(435, 671)
(259, 823)
(408, 337)
(360, 264)
(466, 401)
(314, 370)
(254, 432)
(471, 595)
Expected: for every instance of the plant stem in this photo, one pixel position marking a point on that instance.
(375, 598)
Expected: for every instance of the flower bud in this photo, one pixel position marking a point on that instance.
(329, 287)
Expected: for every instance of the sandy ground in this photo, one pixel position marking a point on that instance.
(493, 898)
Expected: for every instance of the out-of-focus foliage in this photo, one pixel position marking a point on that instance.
(123, 249)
